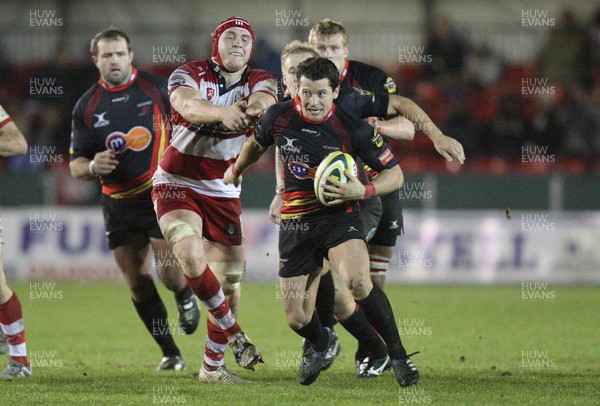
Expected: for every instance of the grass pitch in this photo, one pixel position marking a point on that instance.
(479, 345)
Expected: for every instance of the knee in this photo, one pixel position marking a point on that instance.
(361, 287)
(230, 274)
(142, 287)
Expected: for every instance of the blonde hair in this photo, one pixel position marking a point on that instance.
(326, 28)
(296, 48)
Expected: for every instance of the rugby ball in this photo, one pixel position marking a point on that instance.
(333, 165)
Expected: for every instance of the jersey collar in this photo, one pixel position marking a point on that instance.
(344, 71)
(298, 108)
(134, 73)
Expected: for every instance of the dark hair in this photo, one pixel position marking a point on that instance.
(317, 69)
(111, 33)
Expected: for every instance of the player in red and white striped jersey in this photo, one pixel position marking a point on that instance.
(12, 330)
(214, 103)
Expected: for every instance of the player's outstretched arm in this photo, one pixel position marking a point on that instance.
(258, 103)
(386, 182)
(398, 128)
(196, 110)
(251, 152)
(12, 141)
(446, 146)
(85, 169)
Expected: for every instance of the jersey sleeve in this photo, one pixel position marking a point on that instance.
(184, 76)
(381, 82)
(372, 148)
(261, 81)
(81, 140)
(4, 117)
(368, 104)
(263, 133)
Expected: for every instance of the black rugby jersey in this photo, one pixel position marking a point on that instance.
(303, 144)
(131, 119)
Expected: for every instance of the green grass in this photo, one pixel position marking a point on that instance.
(92, 349)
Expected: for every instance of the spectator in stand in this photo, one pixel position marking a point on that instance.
(504, 134)
(482, 67)
(447, 49)
(564, 58)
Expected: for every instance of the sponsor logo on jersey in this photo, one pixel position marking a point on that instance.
(146, 103)
(102, 122)
(121, 99)
(362, 92)
(289, 147)
(183, 71)
(386, 156)
(390, 85)
(377, 139)
(137, 139)
(310, 131)
(176, 81)
(300, 170)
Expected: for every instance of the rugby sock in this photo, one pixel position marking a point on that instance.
(208, 289)
(315, 333)
(367, 337)
(11, 322)
(325, 300)
(216, 344)
(378, 265)
(380, 315)
(154, 315)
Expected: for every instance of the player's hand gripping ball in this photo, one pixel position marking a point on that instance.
(333, 166)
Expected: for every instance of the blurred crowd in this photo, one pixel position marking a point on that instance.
(499, 111)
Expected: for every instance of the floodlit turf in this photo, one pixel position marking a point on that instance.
(479, 345)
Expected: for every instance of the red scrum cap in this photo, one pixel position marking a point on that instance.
(231, 22)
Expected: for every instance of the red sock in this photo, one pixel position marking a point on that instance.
(11, 321)
(208, 289)
(216, 344)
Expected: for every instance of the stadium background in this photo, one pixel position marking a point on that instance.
(518, 83)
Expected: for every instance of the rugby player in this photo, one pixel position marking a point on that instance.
(330, 39)
(334, 233)
(119, 133)
(214, 102)
(12, 332)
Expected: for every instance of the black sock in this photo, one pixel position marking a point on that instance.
(315, 333)
(380, 315)
(367, 337)
(184, 294)
(325, 300)
(154, 315)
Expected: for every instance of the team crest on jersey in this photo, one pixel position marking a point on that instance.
(102, 122)
(390, 85)
(210, 93)
(301, 171)
(137, 139)
(377, 139)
